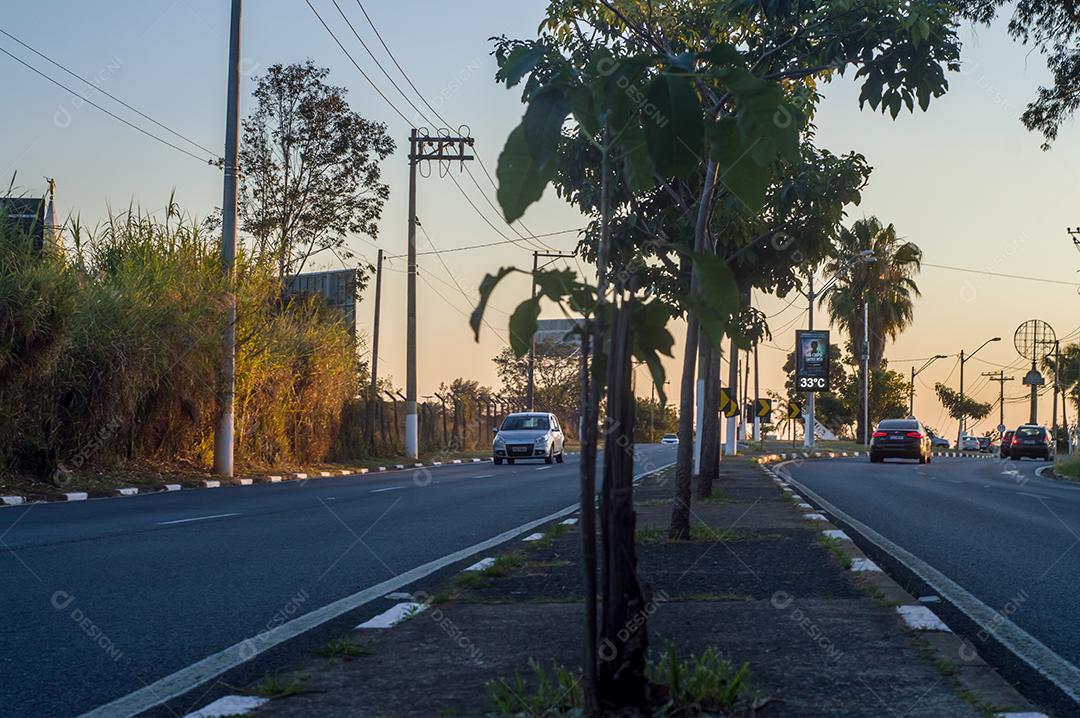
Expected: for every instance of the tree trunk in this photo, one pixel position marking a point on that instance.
(624, 635)
(710, 425)
(680, 509)
(587, 469)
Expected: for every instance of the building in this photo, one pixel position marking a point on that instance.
(34, 217)
(557, 331)
(338, 288)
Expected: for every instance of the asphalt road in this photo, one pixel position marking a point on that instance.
(1007, 536)
(102, 598)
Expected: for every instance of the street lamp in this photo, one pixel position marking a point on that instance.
(865, 256)
(931, 360)
(964, 359)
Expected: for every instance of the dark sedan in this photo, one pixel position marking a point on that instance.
(900, 439)
(1033, 441)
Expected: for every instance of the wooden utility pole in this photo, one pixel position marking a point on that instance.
(421, 148)
(375, 353)
(223, 435)
(530, 371)
(1000, 378)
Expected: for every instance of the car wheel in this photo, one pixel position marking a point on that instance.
(1013, 458)
(929, 458)
(498, 461)
(559, 457)
(550, 457)
(874, 459)
(510, 461)
(921, 458)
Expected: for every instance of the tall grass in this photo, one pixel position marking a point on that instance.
(108, 354)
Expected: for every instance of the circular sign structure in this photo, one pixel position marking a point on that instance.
(1001, 428)
(1032, 337)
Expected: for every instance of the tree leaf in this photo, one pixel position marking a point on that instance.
(543, 123)
(521, 180)
(487, 286)
(584, 108)
(523, 325)
(638, 163)
(519, 62)
(739, 173)
(555, 284)
(673, 125)
(718, 293)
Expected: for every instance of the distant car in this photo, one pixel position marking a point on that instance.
(531, 435)
(669, 439)
(900, 439)
(1031, 440)
(969, 443)
(984, 444)
(1006, 444)
(939, 442)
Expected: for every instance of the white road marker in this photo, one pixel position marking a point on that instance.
(1038, 655)
(533, 537)
(921, 618)
(568, 522)
(172, 487)
(212, 484)
(128, 491)
(814, 516)
(76, 496)
(201, 672)
(480, 565)
(804, 505)
(12, 500)
(837, 534)
(229, 706)
(864, 564)
(394, 615)
(197, 518)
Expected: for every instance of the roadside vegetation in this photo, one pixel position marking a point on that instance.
(1069, 468)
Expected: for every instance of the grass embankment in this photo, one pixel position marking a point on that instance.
(1068, 468)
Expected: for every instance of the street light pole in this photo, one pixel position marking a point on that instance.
(963, 416)
(914, 373)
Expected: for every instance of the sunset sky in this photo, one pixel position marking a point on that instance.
(965, 181)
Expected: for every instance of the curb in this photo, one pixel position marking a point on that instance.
(956, 654)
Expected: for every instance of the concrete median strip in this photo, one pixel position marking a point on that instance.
(921, 618)
(533, 537)
(486, 562)
(394, 615)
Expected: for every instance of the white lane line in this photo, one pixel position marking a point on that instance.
(1034, 496)
(388, 488)
(485, 476)
(542, 468)
(187, 679)
(197, 518)
(1031, 650)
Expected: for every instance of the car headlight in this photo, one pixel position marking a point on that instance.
(499, 441)
(542, 441)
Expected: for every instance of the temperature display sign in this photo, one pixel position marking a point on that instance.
(812, 360)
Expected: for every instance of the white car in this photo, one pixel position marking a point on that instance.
(528, 435)
(969, 443)
(669, 439)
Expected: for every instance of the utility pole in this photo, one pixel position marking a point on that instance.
(866, 370)
(757, 395)
(531, 370)
(1000, 378)
(223, 436)
(808, 427)
(963, 360)
(375, 353)
(421, 148)
(914, 373)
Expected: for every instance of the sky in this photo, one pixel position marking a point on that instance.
(965, 181)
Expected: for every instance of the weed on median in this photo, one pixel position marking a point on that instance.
(833, 545)
(652, 535)
(344, 648)
(280, 685)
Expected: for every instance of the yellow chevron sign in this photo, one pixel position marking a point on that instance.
(764, 408)
(794, 410)
(729, 406)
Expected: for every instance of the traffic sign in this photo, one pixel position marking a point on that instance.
(1001, 428)
(728, 406)
(764, 408)
(794, 410)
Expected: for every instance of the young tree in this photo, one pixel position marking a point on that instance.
(556, 379)
(968, 408)
(309, 168)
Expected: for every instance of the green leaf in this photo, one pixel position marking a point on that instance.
(673, 125)
(584, 109)
(487, 286)
(638, 163)
(555, 284)
(739, 174)
(722, 55)
(519, 63)
(718, 294)
(543, 123)
(521, 180)
(652, 339)
(523, 326)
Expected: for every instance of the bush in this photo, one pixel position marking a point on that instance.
(109, 353)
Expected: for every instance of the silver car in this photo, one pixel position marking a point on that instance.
(530, 435)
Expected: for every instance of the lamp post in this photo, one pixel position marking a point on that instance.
(963, 360)
(866, 256)
(914, 373)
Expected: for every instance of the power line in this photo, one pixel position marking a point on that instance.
(999, 274)
(113, 115)
(358, 68)
(108, 94)
(486, 244)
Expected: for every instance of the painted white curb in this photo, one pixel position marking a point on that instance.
(382, 468)
(804, 505)
(814, 517)
(229, 706)
(325, 473)
(345, 472)
(76, 496)
(399, 466)
(533, 537)
(482, 564)
(456, 461)
(273, 479)
(394, 615)
(921, 618)
(172, 487)
(361, 471)
(299, 476)
(127, 491)
(12, 500)
(212, 484)
(568, 522)
(837, 534)
(1024, 714)
(245, 481)
(476, 461)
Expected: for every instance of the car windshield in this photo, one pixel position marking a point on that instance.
(526, 421)
(898, 425)
(669, 436)
(1030, 432)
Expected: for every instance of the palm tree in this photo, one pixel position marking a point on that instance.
(887, 284)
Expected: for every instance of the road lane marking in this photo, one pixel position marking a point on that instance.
(201, 672)
(485, 476)
(1022, 644)
(388, 488)
(1034, 496)
(541, 468)
(197, 518)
